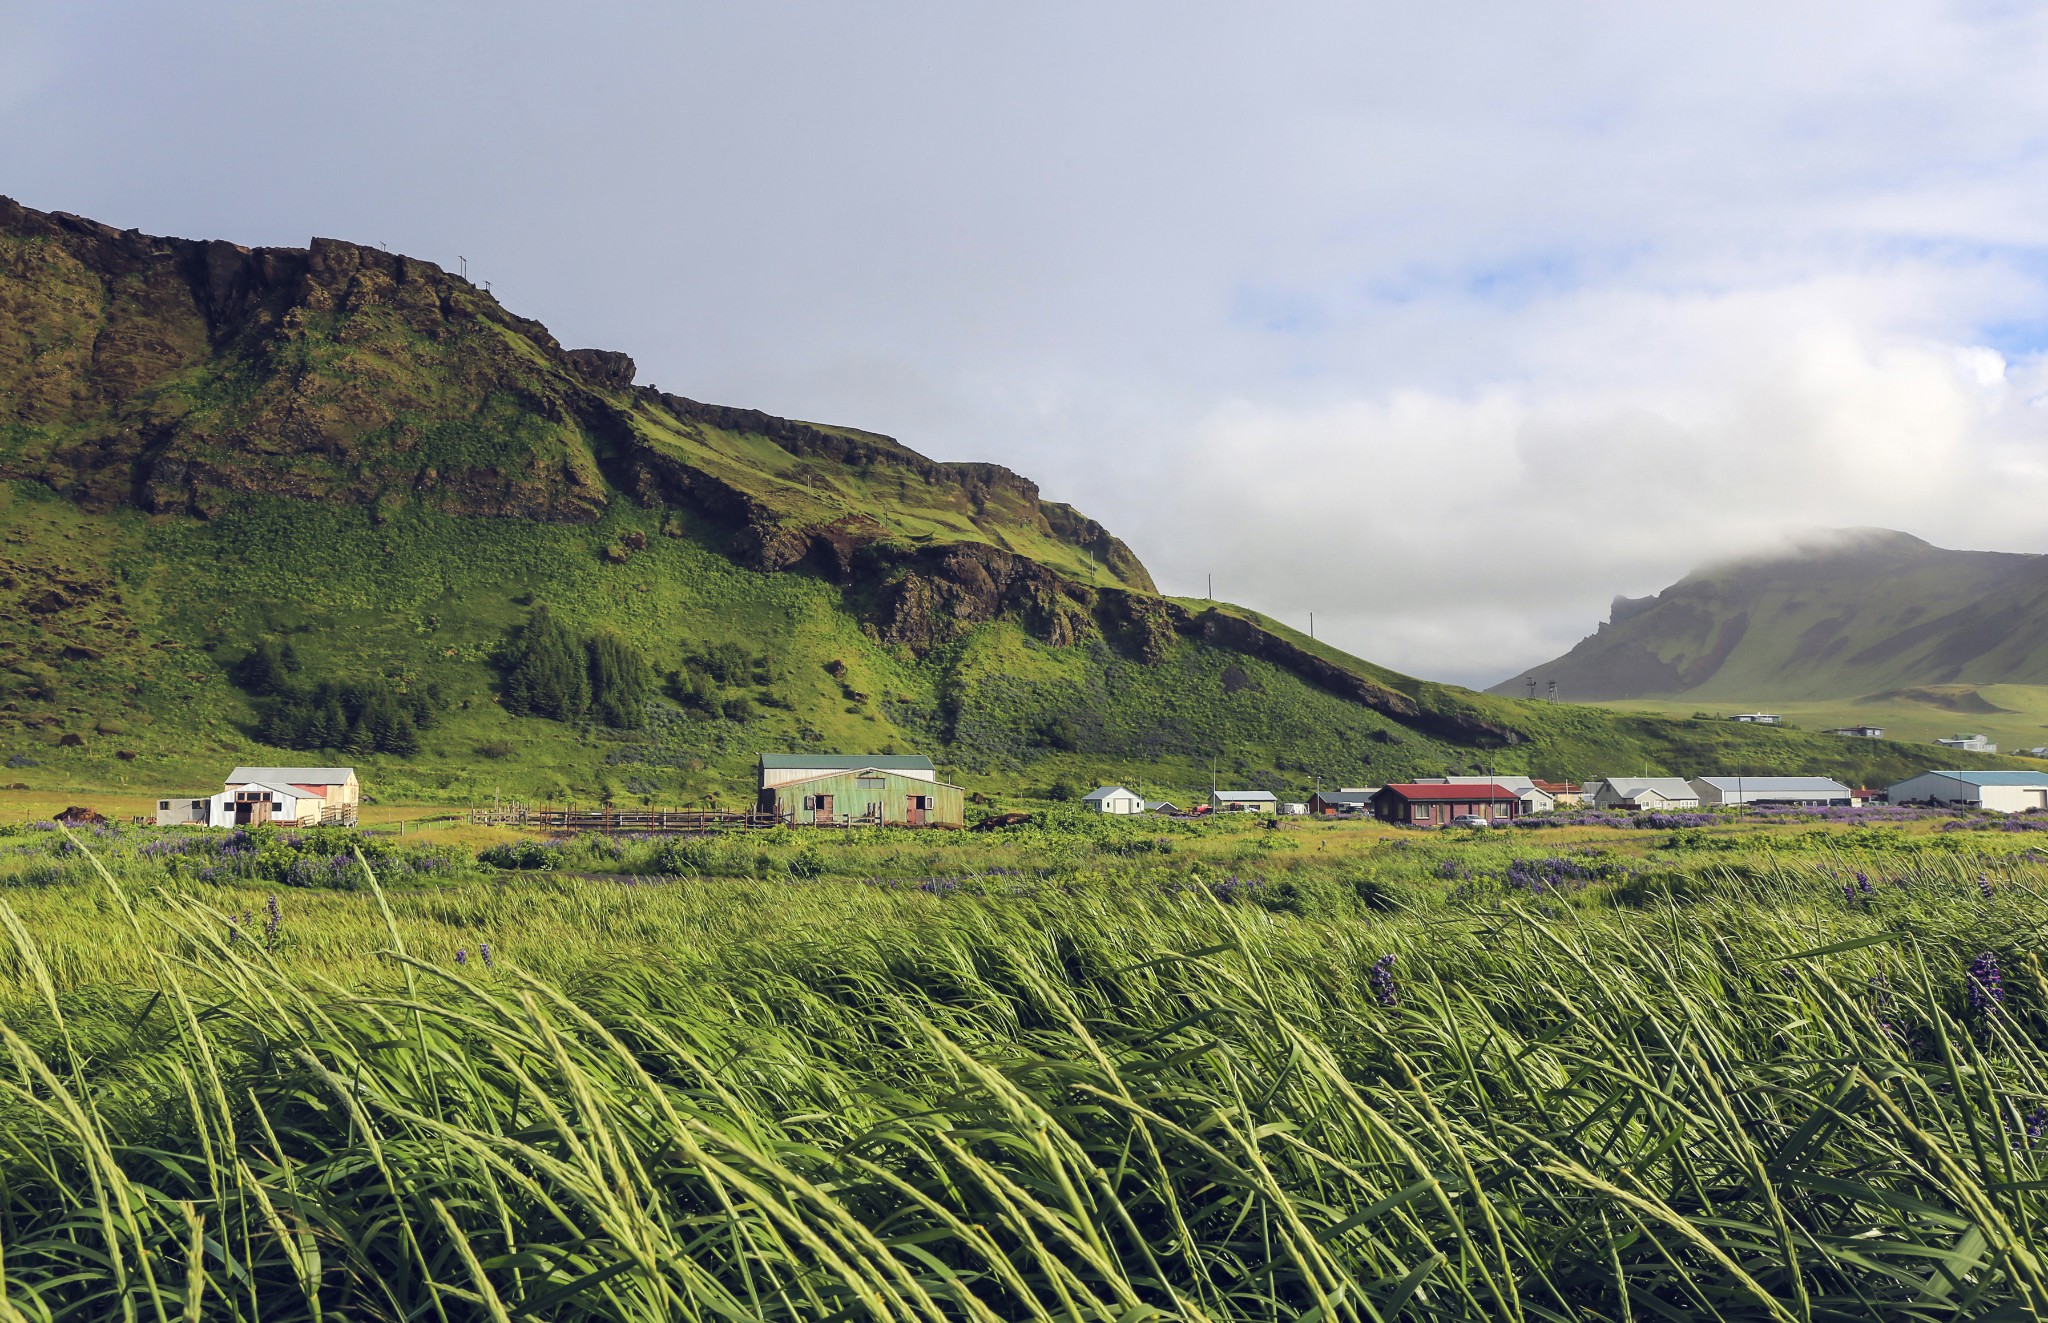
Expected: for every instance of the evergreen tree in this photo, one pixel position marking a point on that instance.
(620, 679)
(268, 668)
(549, 674)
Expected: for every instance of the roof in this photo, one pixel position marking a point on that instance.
(857, 769)
(1259, 795)
(289, 792)
(844, 762)
(1154, 805)
(1775, 784)
(308, 776)
(1344, 796)
(1557, 787)
(1438, 790)
(1104, 792)
(1670, 787)
(1991, 778)
(1511, 782)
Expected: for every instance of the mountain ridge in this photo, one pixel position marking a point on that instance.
(1838, 614)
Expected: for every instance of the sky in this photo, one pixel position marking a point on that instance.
(1446, 323)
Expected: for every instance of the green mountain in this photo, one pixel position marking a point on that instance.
(287, 504)
(1854, 613)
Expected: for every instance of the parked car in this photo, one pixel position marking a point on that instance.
(1470, 820)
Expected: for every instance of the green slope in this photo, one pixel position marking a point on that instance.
(206, 447)
(1861, 613)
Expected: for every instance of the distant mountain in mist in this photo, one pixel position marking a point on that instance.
(1846, 613)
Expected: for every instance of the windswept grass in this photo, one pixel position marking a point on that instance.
(1117, 1099)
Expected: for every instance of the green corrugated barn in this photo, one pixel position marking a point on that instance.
(875, 796)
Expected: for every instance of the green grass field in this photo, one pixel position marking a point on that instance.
(1082, 1069)
(2013, 716)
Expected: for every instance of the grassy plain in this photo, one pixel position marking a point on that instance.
(1716, 1067)
(2013, 716)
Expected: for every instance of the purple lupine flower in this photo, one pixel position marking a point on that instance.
(1987, 984)
(2037, 1125)
(1849, 892)
(1863, 884)
(461, 955)
(1984, 887)
(1382, 979)
(273, 920)
(484, 949)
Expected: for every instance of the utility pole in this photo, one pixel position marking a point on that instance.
(1311, 624)
(465, 267)
(1212, 587)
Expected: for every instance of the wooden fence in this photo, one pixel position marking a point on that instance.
(620, 819)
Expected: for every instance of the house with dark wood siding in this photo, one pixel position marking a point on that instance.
(1435, 805)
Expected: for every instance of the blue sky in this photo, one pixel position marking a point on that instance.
(1446, 323)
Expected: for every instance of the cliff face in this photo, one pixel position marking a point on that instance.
(176, 374)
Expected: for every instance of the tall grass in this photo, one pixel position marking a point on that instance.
(838, 1101)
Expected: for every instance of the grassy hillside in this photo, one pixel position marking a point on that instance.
(1855, 614)
(120, 633)
(362, 461)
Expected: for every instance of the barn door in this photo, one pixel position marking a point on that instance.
(919, 806)
(824, 813)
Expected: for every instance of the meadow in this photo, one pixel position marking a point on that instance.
(1782, 1066)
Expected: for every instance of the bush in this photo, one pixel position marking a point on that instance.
(524, 856)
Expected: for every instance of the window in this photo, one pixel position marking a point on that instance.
(162, 805)
(871, 782)
(810, 803)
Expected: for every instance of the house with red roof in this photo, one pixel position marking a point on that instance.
(1435, 804)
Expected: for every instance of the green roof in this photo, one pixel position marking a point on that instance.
(845, 762)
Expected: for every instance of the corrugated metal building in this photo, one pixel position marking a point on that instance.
(863, 795)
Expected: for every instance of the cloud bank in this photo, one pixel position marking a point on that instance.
(1446, 326)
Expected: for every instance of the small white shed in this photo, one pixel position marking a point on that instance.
(1113, 799)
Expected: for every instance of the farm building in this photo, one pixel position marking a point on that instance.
(862, 795)
(1113, 799)
(1859, 732)
(1968, 744)
(1647, 792)
(1563, 794)
(1434, 804)
(1758, 718)
(1161, 806)
(299, 796)
(1811, 791)
(1328, 802)
(2003, 792)
(1243, 801)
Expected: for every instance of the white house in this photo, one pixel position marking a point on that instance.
(2002, 792)
(1290, 808)
(1968, 744)
(1113, 799)
(1812, 791)
(1858, 732)
(301, 796)
(1646, 792)
(1758, 718)
(1243, 801)
(252, 803)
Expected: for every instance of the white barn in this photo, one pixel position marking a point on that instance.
(301, 796)
(1807, 791)
(1243, 801)
(2002, 792)
(1113, 799)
